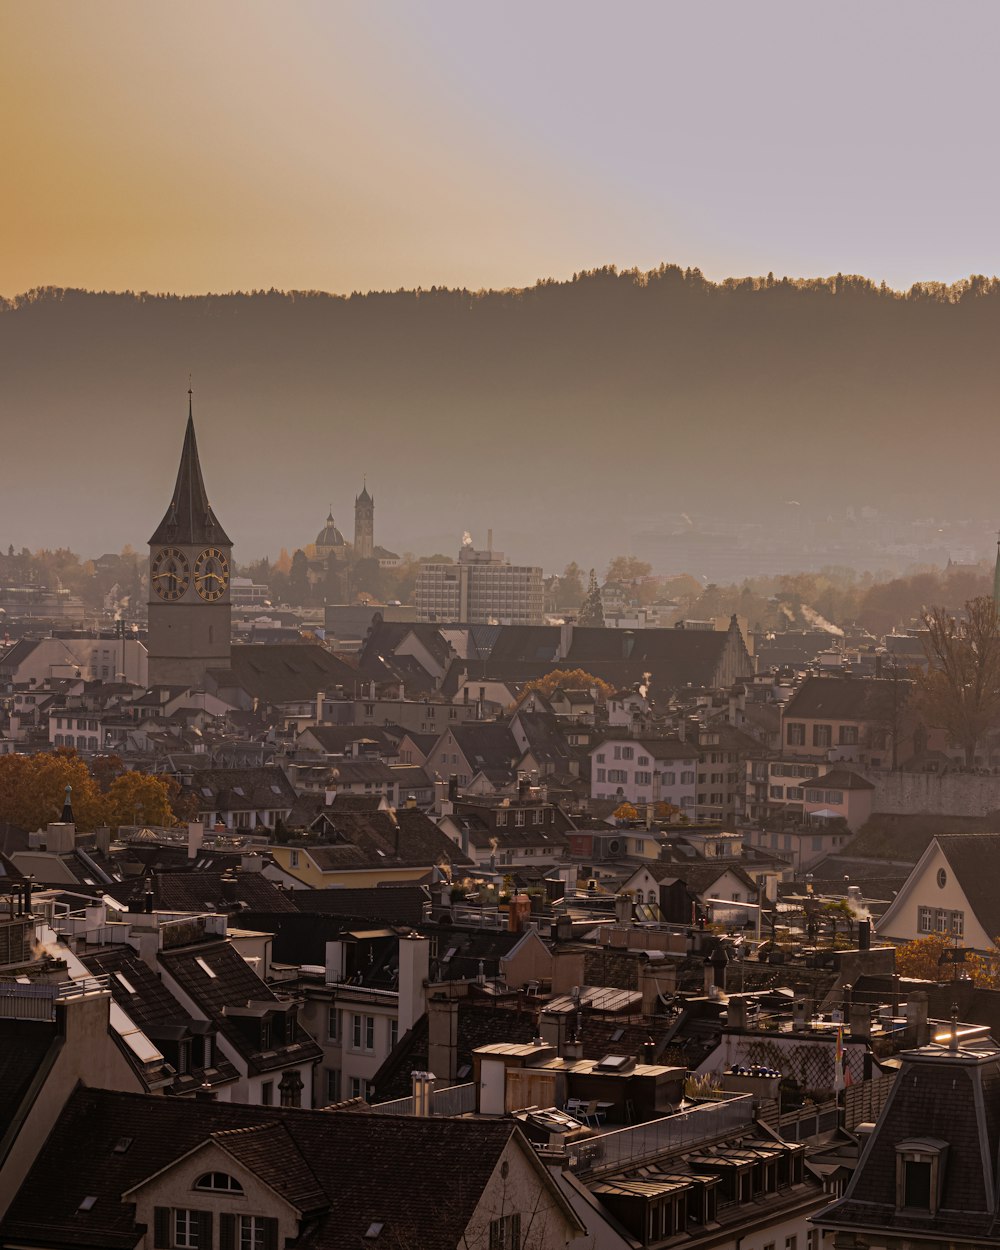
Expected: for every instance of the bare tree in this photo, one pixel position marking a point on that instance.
(960, 692)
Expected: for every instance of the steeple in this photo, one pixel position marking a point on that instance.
(189, 521)
(996, 576)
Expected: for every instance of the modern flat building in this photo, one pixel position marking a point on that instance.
(482, 588)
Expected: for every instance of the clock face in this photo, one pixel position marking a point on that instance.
(211, 574)
(170, 574)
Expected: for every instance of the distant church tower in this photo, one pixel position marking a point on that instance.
(364, 525)
(189, 604)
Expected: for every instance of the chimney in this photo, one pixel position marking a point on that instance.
(864, 935)
(229, 886)
(102, 839)
(149, 897)
(623, 909)
(564, 929)
(860, 1021)
(917, 1029)
(27, 895)
(411, 800)
(442, 1036)
(196, 837)
(453, 788)
(656, 977)
(522, 786)
(736, 1014)
(802, 1009)
(414, 969)
(320, 697)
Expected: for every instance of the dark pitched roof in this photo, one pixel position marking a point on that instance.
(149, 1004)
(395, 1170)
(406, 838)
(241, 789)
(189, 520)
(843, 779)
(233, 983)
(487, 745)
(335, 739)
(286, 672)
(394, 904)
(204, 890)
(975, 861)
(845, 698)
(24, 1048)
(941, 1096)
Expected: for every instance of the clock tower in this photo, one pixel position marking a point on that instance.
(189, 604)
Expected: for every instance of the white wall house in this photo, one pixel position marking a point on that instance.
(638, 770)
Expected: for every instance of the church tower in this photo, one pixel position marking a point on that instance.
(364, 525)
(189, 596)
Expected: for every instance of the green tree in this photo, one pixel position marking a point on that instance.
(592, 611)
(298, 579)
(627, 569)
(569, 590)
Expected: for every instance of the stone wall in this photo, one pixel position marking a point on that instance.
(937, 794)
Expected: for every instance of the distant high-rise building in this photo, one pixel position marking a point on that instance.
(364, 525)
(481, 588)
(189, 591)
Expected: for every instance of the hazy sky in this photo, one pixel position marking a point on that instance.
(232, 144)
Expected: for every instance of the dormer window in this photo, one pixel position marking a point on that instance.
(920, 1164)
(219, 1183)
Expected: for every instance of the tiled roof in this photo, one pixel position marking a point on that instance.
(288, 672)
(212, 890)
(940, 1097)
(401, 904)
(844, 698)
(394, 1170)
(271, 1153)
(407, 838)
(24, 1045)
(241, 789)
(233, 983)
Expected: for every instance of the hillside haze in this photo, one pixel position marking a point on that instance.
(573, 418)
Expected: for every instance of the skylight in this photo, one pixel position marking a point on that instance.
(374, 1230)
(204, 967)
(88, 1203)
(129, 987)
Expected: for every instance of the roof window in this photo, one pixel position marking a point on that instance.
(204, 967)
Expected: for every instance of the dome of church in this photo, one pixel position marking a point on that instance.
(329, 535)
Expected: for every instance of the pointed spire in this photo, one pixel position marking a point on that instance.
(189, 520)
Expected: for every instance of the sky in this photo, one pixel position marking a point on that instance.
(217, 145)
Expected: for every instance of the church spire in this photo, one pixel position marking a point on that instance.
(189, 520)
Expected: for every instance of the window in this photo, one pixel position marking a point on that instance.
(794, 792)
(617, 775)
(643, 761)
(219, 1183)
(925, 919)
(643, 779)
(505, 1233)
(267, 1094)
(670, 779)
(627, 753)
(777, 792)
(848, 736)
(293, 859)
(332, 1023)
(687, 779)
(919, 1170)
(618, 753)
(791, 1243)
(822, 735)
(519, 818)
(249, 1232)
(812, 1239)
(363, 1032)
(188, 1227)
(958, 923)
(333, 1085)
(355, 1087)
(502, 816)
(600, 757)
(393, 1033)
(796, 734)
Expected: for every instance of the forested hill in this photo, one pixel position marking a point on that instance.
(564, 409)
